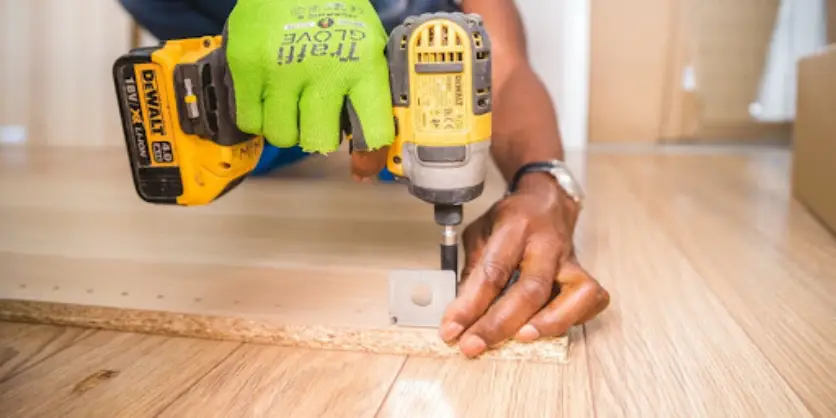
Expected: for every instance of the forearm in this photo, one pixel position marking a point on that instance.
(525, 127)
(524, 120)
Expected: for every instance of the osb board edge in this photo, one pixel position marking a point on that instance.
(394, 342)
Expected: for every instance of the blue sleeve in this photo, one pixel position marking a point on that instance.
(177, 19)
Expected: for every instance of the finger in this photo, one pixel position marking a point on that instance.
(247, 75)
(474, 239)
(372, 101)
(281, 114)
(319, 118)
(365, 164)
(581, 299)
(602, 297)
(491, 273)
(520, 303)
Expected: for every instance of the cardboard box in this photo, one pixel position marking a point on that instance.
(814, 136)
(831, 21)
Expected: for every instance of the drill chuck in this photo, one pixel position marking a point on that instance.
(450, 258)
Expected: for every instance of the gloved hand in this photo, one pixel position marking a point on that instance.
(294, 63)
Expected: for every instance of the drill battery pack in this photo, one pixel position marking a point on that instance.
(183, 145)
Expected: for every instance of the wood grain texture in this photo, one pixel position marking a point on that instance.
(773, 266)
(722, 288)
(259, 381)
(459, 388)
(23, 346)
(109, 375)
(696, 360)
(296, 261)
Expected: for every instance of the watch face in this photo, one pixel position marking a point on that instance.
(567, 182)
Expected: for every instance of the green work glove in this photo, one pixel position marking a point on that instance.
(294, 63)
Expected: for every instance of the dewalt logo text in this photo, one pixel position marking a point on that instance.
(151, 93)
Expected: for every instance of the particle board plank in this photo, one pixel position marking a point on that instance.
(668, 346)
(111, 375)
(457, 388)
(780, 294)
(275, 381)
(295, 307)
(297, 260)
(23, 345)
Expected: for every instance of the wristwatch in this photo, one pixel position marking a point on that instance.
(557, 169)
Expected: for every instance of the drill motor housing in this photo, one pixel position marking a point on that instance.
(440, 77)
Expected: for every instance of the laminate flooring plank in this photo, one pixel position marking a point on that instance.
(264, 381)
(483, 389)
(24, 345)
(109, 375)
(667, 346)
(785, 306)
(770, 208)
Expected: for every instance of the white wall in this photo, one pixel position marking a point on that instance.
(557, 32)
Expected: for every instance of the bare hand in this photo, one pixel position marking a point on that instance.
(531, 230)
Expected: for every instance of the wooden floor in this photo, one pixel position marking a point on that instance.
(723, 305)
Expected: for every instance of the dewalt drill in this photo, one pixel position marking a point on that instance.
(440, 76)
(185, 149)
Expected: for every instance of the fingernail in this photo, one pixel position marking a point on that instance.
(528, 333)
(472, 345)
(451, 331)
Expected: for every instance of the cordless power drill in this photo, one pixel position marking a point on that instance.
(185, 149)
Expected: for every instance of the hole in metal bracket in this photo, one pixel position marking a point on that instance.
(422, 294)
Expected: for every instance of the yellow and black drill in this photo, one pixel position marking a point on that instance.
(440, 76)
(185, 149)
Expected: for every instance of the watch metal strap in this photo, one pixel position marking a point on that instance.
(554, 168)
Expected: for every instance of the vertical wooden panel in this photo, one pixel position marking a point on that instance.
(56, 74)
(726, 43)
(732, 41)
(640, 53)
(15, 17)
(679, 105)
(628, 63)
